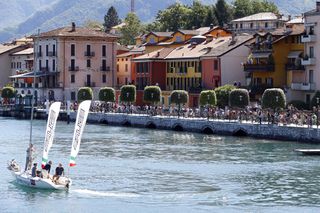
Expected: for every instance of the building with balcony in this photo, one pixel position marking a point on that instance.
(72, 57)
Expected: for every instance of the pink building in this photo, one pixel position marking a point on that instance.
(72, 57)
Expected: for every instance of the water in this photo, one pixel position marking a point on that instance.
(137, 170)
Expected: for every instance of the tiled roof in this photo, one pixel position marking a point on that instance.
(162, 34)
(297, 20)
(258, 17)
(129, 54)
(28, 51)
(78, 32)
(6, 48)
(158, 54)
(189, 32)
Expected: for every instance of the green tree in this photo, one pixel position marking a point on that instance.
(273, 99)
(223, 94)
(210, 17)
(131, 30)
(242, 8)
(223, 12)
(111, 19)
(8, 92)
(128, 94)
(208, 98)
(107, 94)
(91, 24)
(174, 17)
(197, 15)
(152, 94)
(239, 98)
(179, 97)
(259, 6)
(85, 93)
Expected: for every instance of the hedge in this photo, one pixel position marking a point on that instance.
(85, 93)
(152, 94)
(107, 94)
(8, 92)
(222, 94)
(273, 99)
(208, 97)
(239, 98)
(128, 94)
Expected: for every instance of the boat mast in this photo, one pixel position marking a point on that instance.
(33, 88)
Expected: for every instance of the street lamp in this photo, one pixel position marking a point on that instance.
(277, 99)
(240, 98)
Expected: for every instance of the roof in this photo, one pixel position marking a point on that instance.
(119, 26)
(189, 32)
(7, 48)
(297, 20)
(129, 54)
(161, 34)
(28, 51)
(258, 17)
(78, 32)
(229, 45)
(158, 54)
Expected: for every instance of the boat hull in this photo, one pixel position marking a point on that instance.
(25, 179)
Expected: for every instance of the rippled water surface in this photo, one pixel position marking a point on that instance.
(137, 170)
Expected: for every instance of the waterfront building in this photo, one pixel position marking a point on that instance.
(266, 22)
(274, 60)
(72, 57)
(6, 51)
(125, 68)
(311, 77)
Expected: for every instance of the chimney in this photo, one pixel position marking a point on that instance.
(211, 26)
(318, 6)
(73, 25)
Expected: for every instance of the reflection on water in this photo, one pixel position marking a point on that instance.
(140, 170)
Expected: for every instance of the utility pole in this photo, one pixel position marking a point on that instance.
(132, 6)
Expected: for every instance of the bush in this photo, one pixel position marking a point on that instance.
(223, 95)
(107, 94)
(85, 93)
(273, 98)
(300, 105)
(8, 92)
(239, 98)
(315, 101)
(152, 94)
(208, 97)
(179, 97)
(128, 94)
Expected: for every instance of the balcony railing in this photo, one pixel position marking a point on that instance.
(44, 69)
(89, 54)
(308, 38)
(308, 62)
(294, 67)
(104, 68)
(74, 68)
(258, 67)
(303, 86)
(89, 84)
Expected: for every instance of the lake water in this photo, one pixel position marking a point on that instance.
(138, 170)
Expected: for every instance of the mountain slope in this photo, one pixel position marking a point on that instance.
(26, 18)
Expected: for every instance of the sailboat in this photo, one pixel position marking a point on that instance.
(25, 177)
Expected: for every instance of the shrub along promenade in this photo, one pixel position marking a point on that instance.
(226, 110)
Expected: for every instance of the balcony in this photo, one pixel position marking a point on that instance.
(74, 68)
(89, 54)
(308, 38)
(44, 69)
(303, 86)
(293, 67)
(258, 67)
(89, 84)
(105, 69)
(51, 54)
(308, 62)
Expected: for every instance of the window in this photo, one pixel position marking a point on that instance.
(241, 26)
(152, 41)
(104, 51)
(54, 50)
(311, 52)
(269, 81)
(251, 25)
(104, 64)
(178, 39)
(118, 81)
(53, 65)
(266, 25)
(47, 65)
(47, 50)
(73, 63)
(126, 69)
(73, 49)
(40, 64)
(236, 26)
(88, 63)
(104, 78)
(118, 68)
(73, 96)
(126, 81)
(215, 65)
(40, 51)
(311, 76)
(73, 79)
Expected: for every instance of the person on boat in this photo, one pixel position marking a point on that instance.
(59, 172)
(29, 157)
(46, 169)
(34, 170)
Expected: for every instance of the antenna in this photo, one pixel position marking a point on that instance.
(132, 6)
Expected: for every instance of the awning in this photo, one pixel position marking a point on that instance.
(294, 54)
(261, 55)
(31, 75)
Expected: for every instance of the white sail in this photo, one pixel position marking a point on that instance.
(82, 115)
(51, 126)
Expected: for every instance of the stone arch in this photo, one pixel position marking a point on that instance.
(104, 121)
(151, 125)
(240, 132)
(177, 128)
(207, 130)
(126, 123)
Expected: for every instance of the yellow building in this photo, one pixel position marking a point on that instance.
(272, 62)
